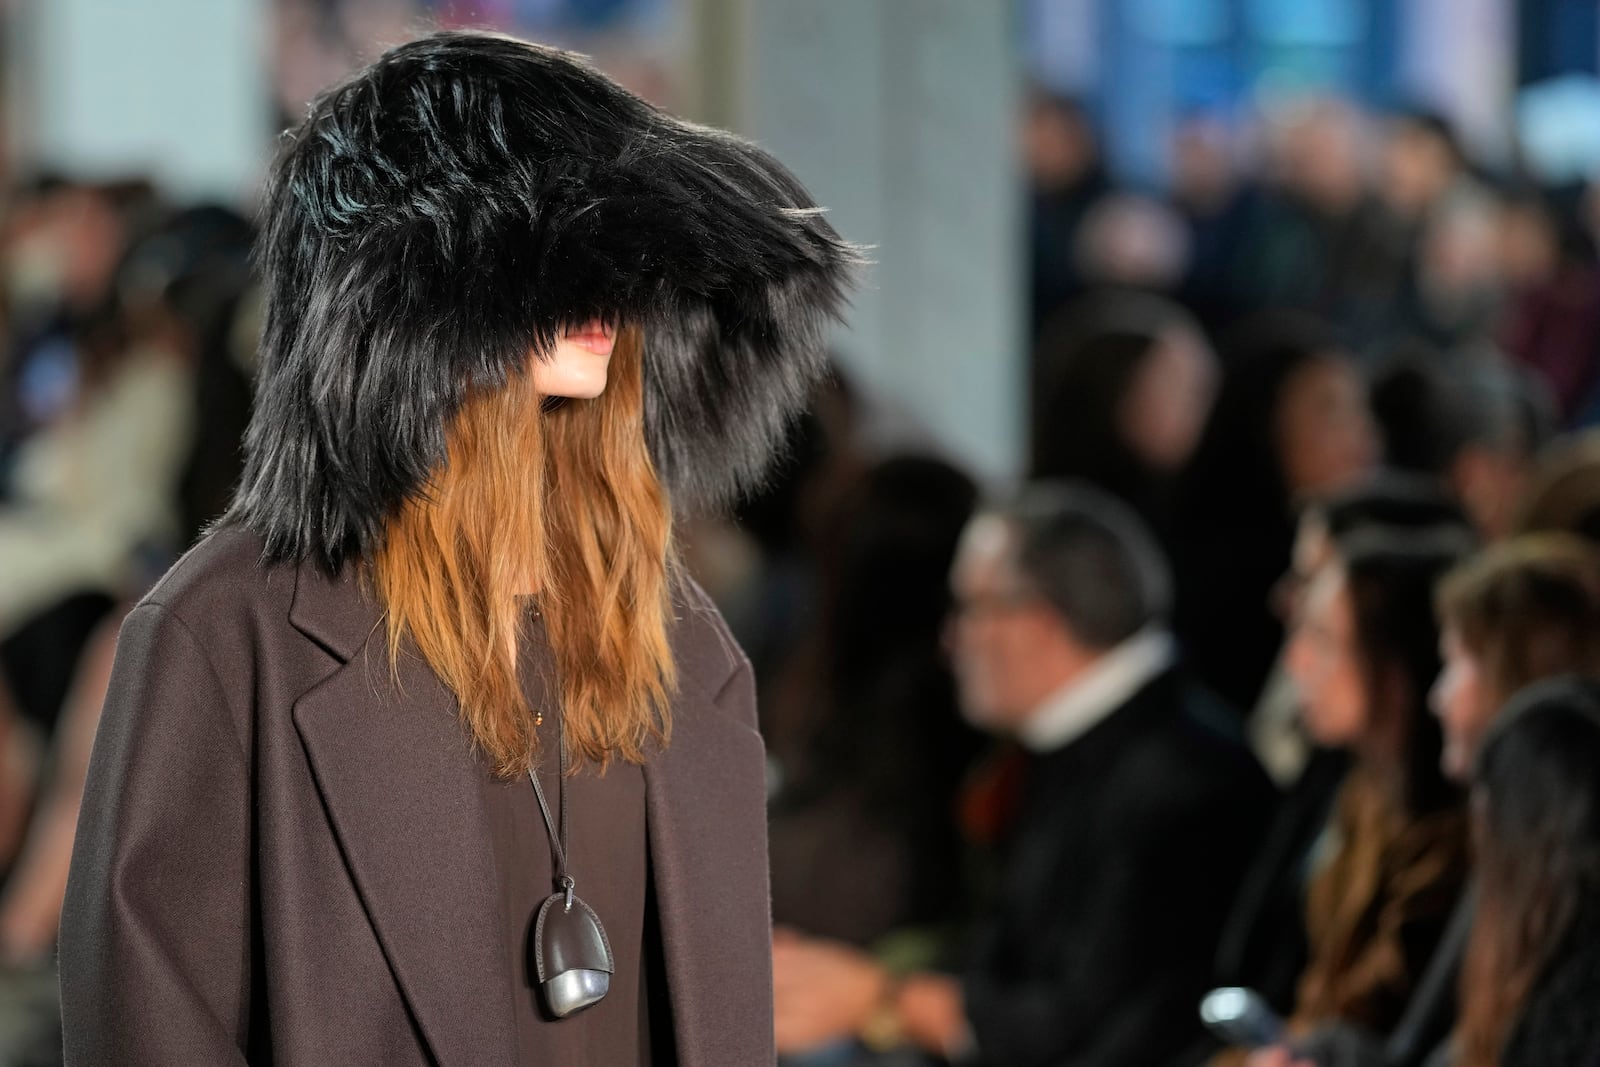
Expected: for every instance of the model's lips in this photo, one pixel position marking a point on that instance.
(594, 337)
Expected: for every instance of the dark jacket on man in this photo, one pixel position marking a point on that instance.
(1126, 854)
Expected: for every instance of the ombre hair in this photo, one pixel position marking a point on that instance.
(562, 501)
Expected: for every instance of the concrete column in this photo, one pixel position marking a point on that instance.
(899, 116)
(171, 88)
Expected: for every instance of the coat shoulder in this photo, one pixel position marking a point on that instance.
(223, 578)
(707, 654)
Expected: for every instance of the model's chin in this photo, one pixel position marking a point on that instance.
(584, 389)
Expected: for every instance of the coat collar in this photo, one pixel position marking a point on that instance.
(398, 779)
(334, 611)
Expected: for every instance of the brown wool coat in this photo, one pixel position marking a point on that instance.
(282, 859)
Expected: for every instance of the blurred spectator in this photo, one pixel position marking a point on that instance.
(1444, 225)
(1390, 499)
(193, 282)
(1469, 420)
(1565, 490)
(1365, 654)
(861, 843)
(1552, 322)
(1321, 241)
(1218, 204)
(1131, 241)
(1453, 291)
(760, 563)
(1060, 640)
(1264, 941)
(1290, 422)
(1264, 938)
(93, 483)
(1532, 973)
(1126, 384)
(107, 492)
(1521, 612)
(1422, 165)
(1061, 157)
(1524, 610)
(63, 242)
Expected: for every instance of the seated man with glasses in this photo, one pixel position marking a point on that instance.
(1140, 809)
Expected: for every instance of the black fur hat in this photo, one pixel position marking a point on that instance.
(460, 201)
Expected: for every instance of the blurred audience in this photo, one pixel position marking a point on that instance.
(862, 840)
(1321, 240)
(1131, 241)
(1061, 159)
(1124, 385)
(1060, 640)
(761, 564)
(1521, 611)
(1550, 268)
(127, 351)
(1389, 499)
(1217, 202)
(1469, 420)
(1290, 422)
(1565, 490)
(1365, 655)
(1264, 943)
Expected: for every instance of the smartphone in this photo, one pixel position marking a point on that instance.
(1241, 1017)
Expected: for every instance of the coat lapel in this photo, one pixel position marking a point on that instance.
(706, 807)
(397, 776)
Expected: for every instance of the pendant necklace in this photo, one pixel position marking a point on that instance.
(572, 957)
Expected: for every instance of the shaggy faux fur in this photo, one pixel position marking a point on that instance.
(456, 204)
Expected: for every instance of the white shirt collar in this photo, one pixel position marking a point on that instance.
(1102, 688)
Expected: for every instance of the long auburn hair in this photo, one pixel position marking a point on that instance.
(562, 501)
(1537, 817)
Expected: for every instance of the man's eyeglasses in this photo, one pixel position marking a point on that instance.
(987, 605)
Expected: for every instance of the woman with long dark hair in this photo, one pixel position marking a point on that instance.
(430, 752)
(1530, 986)
(1263, 944)
(1364, 653)
(1290, 423)
(1125, 382)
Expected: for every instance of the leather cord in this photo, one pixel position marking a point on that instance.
(559, 840)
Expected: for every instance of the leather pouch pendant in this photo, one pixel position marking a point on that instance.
(572, 958)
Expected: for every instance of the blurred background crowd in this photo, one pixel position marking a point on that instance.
(1189, 578)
